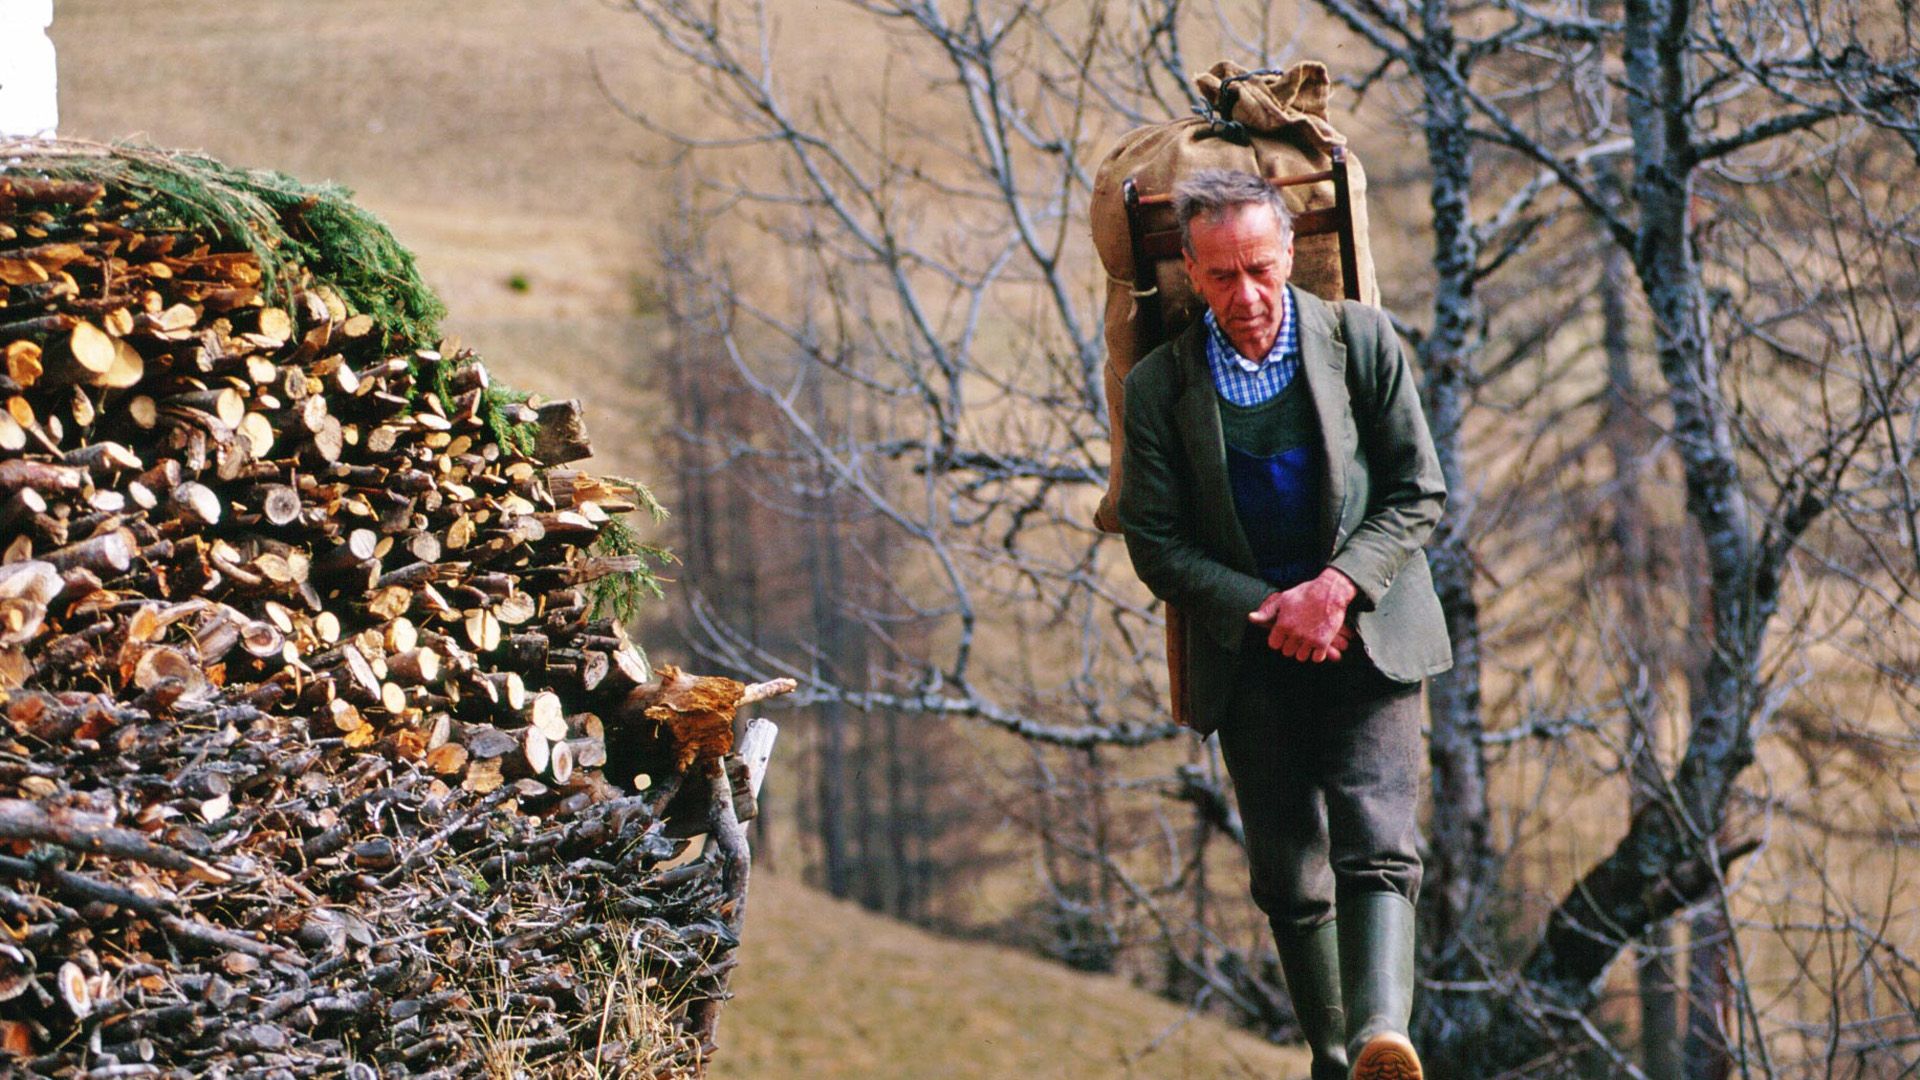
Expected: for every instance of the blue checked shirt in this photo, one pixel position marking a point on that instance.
(1247, 382)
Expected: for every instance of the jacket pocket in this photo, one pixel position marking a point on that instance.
(1406, 635)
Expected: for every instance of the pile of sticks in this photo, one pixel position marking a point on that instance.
(307, 709)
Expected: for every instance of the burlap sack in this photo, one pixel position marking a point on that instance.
(1286, 133)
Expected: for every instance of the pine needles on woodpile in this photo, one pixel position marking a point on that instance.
(289, 226)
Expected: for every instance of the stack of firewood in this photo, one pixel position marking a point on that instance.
(306, 698)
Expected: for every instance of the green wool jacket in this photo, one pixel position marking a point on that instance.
(1383, 497)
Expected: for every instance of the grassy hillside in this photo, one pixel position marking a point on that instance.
(476, 128)
(828, 991)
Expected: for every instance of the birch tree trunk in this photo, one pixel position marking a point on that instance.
(1667, 857)
(1629, 440)
(1461, 877)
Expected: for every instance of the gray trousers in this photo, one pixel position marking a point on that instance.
(1325, 761)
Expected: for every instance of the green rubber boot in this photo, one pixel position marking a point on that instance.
(1376, 979)
(1310, 960)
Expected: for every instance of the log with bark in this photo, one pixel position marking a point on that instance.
(310, 730)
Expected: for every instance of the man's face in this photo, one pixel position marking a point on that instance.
(1238, 265)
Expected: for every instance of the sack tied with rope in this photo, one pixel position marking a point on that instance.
(1270, 123)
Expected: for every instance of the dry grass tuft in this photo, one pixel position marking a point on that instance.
(638, 1033)
(635, 1031)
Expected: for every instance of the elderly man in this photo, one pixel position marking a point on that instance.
(1280, 482)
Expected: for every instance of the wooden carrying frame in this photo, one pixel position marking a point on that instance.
(1149, 248)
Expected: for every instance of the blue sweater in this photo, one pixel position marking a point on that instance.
(1274, 468)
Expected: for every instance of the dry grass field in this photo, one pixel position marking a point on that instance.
(476, 128)
(829, 991)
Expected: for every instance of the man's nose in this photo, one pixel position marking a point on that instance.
(1245, 293)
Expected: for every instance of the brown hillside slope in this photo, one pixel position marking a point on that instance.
(474, 127)
(828, 991)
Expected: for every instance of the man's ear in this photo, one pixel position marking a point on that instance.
(1186, 260)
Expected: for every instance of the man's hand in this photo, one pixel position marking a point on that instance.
(1309, 621)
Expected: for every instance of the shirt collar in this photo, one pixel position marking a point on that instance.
(1283, 342)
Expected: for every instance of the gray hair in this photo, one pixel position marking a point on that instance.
(1212, 192)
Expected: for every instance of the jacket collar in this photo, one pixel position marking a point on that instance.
(1319, 329)
(1323, 363)
(1197, 415)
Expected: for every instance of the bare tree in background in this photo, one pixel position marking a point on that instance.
(1710, 91)
(866, 809)
(900, 275)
